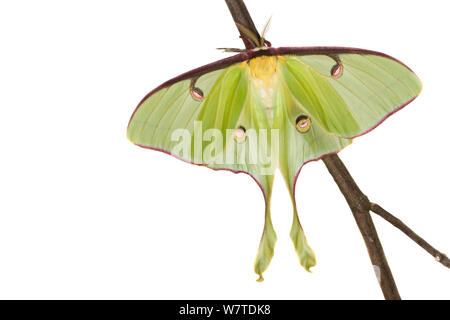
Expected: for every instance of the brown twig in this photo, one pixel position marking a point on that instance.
(240, 15)
(360, 206)
(439, 256)
(357, 201)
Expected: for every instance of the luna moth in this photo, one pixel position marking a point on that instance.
(266, 108)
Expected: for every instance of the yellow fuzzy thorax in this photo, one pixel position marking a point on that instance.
(263, 68)
(264, 79)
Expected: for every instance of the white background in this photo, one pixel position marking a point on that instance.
(86, 214)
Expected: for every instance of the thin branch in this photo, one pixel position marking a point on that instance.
(241, 16)
(439, 256)
(360, 207)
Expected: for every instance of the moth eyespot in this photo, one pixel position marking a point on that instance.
(240, 135)
(337, 70)
(303, 123)
(197, 93)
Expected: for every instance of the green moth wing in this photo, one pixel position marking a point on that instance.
(303, 141)
(256, 156)
(348, 94)
(196, 119)
(180, 105)
(323, 100)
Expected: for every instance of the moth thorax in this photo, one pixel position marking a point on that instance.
(264, 79)
(263, 68)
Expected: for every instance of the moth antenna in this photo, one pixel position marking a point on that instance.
(249, 34)
(265, 30)
(232, 49)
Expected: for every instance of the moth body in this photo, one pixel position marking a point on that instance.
(264, 79)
